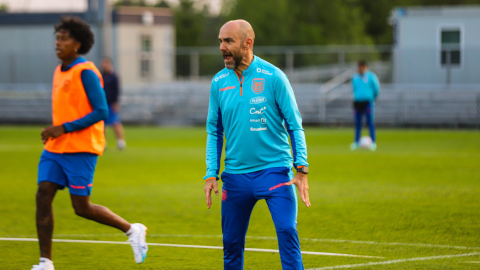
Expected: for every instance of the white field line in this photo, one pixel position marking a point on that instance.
(396, 261)
(267, 238)
(184, 246)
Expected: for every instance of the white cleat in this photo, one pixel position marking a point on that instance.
(121, 144)
(138, 242)
(44, 264)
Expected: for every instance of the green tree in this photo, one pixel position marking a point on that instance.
(3, 8)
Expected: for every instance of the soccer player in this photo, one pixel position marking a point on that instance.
(112, 91)
(365, 87)
(252, 102)
(74, 142)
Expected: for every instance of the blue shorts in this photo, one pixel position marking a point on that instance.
(113, 116)
(74, 170)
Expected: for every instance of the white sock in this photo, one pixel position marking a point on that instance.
(130, 231)
(45, 261)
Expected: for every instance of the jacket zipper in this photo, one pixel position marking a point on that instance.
(241, 83)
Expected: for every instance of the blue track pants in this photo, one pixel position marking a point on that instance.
(240, 193)
(369, 112)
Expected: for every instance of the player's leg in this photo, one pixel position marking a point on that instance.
(50, 178)
(237, 205)
(357, 115)
(282, 203)
(80, 169)
(101, 214)
(44, 217)
(120, 134)
(370, 114)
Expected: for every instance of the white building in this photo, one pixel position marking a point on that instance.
(140, 40)
(437, 45)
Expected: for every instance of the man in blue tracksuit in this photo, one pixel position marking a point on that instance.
(252, 102)
(365, 87)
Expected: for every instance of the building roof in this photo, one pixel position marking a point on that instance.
(142, 15)
(35, 18)
(134, 15)
(444, 11)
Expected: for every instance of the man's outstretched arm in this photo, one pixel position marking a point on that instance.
(287, 106)
(214, 145)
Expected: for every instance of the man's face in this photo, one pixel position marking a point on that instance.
(231, 46)
(65, 45)
(362, 69)
(106, 65)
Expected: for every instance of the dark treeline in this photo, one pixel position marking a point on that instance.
(290, 22)
(293, 22)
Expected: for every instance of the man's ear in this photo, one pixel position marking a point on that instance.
(249, 43)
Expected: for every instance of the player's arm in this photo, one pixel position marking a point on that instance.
(96, 97)
(376, 85)
(116, 90)
(287, 106)
(214, 145)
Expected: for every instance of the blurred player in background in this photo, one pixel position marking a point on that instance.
(112, 91)
(365, 90)
(74, 142)
(253, 102)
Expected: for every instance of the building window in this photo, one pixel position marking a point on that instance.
(146, 56)
(451, 47)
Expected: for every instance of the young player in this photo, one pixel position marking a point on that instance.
(74, 142)
(365, 87)
(253, 103)
(112, 91)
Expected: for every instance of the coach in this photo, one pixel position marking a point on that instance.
(252, 102)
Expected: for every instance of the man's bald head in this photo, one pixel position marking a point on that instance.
(242, 28)
(236, 44)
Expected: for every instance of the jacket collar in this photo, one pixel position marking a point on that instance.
(252, 67)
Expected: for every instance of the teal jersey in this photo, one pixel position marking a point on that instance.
(365, 87)
(257, 112)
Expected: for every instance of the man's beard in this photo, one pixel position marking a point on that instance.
(237, 60)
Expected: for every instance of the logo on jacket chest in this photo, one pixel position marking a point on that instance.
(258, 84)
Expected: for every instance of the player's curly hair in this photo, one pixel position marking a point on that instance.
(79, 30)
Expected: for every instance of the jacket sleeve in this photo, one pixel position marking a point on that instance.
(375, 85)
(215, 135)
(96, 97)
(288, 109)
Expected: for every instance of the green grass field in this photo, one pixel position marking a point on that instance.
(417, 196)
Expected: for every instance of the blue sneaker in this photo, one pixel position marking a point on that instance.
(373, 147)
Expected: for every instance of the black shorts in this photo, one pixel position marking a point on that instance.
(361, 105)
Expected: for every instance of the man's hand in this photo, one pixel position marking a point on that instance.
(209, 185)
(116, 106)
(301, 181)
(52, 132)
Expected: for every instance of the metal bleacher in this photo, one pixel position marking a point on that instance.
(186, 103)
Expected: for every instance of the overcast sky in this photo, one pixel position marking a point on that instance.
(73, 5)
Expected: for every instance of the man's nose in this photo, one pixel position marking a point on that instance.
(223, 47)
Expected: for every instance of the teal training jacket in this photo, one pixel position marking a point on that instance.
(365, 87)
(257, 112)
